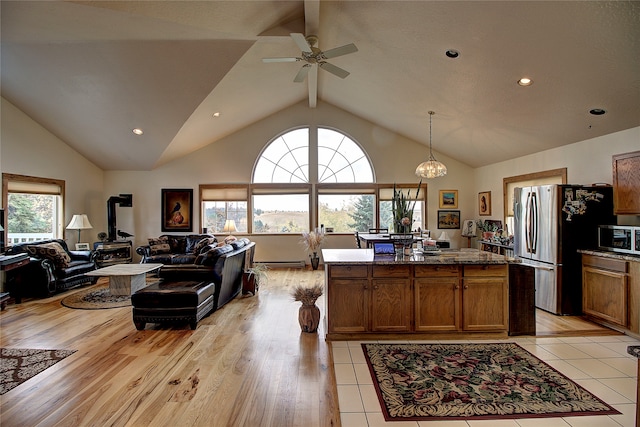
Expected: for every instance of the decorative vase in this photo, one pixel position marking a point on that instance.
(315, 261)
(309, 317)
(487, 235)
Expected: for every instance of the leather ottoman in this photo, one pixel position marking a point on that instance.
(161, 302)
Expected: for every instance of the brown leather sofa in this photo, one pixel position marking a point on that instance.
(52, 268)
(223, 265)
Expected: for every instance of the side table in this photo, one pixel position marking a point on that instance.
(11, 263)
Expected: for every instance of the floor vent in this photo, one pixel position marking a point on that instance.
(284, 264)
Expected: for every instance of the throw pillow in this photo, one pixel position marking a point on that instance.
(159, 246)
(52, 251)
(203, 244)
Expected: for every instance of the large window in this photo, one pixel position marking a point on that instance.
(303, 179)
(34, 208)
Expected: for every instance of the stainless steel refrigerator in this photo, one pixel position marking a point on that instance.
(551, 223)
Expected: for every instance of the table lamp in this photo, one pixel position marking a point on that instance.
(79, 222)
(229, 226)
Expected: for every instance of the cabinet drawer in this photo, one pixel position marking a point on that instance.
(486, 270)
(348, 271)
(605, 263)
(436, 270)
(391, 270)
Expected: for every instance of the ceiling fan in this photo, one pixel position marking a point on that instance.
(312, 55)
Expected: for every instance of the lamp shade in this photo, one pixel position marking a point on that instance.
(229, 226)
(79, 222)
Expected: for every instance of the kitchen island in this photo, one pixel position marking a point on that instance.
(458, 293)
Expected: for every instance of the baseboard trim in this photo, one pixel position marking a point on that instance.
(284, 264)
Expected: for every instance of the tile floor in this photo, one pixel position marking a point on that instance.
(599, 364)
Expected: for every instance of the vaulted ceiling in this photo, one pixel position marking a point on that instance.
(91, 71)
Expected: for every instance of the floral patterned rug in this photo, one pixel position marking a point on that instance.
(18, 365)
(421, 382)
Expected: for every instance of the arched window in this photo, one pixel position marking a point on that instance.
(287, 159)
(303, 179)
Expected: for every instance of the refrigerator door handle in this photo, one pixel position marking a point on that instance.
(534, 222)
(527, 223)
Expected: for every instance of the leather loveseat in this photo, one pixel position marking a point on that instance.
(222, 264)
(52, 268)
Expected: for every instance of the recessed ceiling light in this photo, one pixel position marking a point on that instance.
(451, 53)
(137, 131)
(525, 81)
(216, 114)
(597, 111)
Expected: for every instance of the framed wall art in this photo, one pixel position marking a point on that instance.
(177, 213)
(484, 203)
(448, 219)
(448, 199)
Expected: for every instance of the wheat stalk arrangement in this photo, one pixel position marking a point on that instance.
(307, 295)
(312, 240)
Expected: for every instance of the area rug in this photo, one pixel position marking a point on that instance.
(18, 365)
(422, 382)
(96, 299)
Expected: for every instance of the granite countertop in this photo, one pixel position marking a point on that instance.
(445, 256)
(634, 350)
(607, 254)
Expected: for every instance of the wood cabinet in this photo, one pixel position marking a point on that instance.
(348, 304)
(417, 298)
(605, 289)
(390, 298)
(522, 299)
(441, 284)
(626, 183)
(485, 291)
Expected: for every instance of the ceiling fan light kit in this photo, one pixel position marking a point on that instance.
(431, 168)
(314, 56)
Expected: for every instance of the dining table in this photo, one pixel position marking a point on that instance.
(368, 239)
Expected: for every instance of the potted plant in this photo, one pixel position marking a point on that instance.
(402, 208)
(252, 278)
(309, 313)
(312, 242)
(487, 229)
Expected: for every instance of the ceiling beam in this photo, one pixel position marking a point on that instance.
(311, 26)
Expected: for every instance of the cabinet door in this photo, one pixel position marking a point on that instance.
(348, 305)
(626, 183)
(437, 304)
(391, 305)
(604, 295)
(485, 304)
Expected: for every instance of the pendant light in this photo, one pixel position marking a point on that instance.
(431, 168)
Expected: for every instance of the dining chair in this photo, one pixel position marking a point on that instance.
(358, 244)
(378, 230)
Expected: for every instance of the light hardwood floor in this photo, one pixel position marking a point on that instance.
(247, 364)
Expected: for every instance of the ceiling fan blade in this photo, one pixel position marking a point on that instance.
(281, 59)
(339, 51)
(301, 41)
(334, 70)
(302, 74)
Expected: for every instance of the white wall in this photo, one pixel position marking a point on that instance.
(29, 149)
(231, 160)
(587, 162)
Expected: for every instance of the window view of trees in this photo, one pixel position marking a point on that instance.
(30, 213)
(216, 213)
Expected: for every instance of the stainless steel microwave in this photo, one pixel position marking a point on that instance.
(619, 238)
